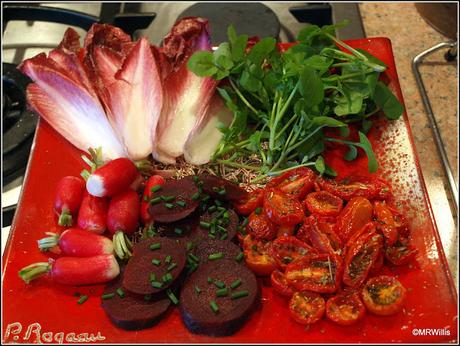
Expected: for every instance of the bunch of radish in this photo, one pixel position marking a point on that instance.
(108, 201)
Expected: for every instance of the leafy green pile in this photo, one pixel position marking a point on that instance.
(282, 102)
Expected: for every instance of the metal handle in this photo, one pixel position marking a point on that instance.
(434, 126)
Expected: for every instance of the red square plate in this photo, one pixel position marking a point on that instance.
(44, 312)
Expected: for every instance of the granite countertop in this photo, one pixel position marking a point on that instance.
(410, 35)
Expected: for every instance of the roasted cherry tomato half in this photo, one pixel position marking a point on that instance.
(284, 231)
(260, 227)
(320, 273)
(307, 307)
(378, 264)
(248, 205)
(345, 308)
(296, 183)
(385, 222)
(323, 203)
(384, 295)
(280, 284)
(257, 256)
(353, 217)
(360, 255)
(282, 209)
(321, 241)
(401, 252)
(287, 249)
(357, 186)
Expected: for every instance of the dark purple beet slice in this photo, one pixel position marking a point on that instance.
(195, 307)
(201, 233)
(179, 229)
(213, 184)
(183, 190)
(131, 312)
(137, 275)
(214, 246)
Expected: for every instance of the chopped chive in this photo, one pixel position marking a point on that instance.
(172, 266)
(189, 246)
(192, 268)
(156, 284)
(181, 203)
(222, 292)
(193, 257)
(153, 277)
(178, 231)
(224, 236)
(225, 221)
(209, 280)
(242, 230)
(145, 198)
(226, 215)
(245, 222)
(197, 289)
(155, 188)
(219, 284)
(108, 296)
(205, 225)
(216, 256)
(221, 229)
(172, 297)
(169, 205)
(120, 292)
(168, 198)
(168, 259)
(258, 210)
(196, 196)
(215, 188)
(200, 189)
(214, 306)
(222, 192)
(155, 200)
(155, 246)
(212, 208)
(239, 294)
(239, 257)
(235, 283)
(155, 261)
(196, 179)
(167, 277)
(221, 209)
(212, 236)
(213, 231)
(205, 198)
(219, 222)
(218, 203)
(147, 297)
(151, 232)
(82, 299)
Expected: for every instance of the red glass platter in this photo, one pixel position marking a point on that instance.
(44, 312)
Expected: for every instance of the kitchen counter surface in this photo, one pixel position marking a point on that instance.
(410, 35)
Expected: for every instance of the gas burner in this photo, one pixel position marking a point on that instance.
(253, 19)
(18, 123)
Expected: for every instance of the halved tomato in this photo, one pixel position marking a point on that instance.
(345, 308)
(321, 241)
(296, 183)
(287, 249)
(252, 202)
(385, 222)
(353, 217)
(323, 203)
(280, 284)
(384, 295)
(357, 186)
(257, 256)
(307, 307)
(260, 227)
(318, 273)
(282, 209)
(284, 231)
(401, 252)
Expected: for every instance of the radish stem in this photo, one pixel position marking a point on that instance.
(34, 271)
(65, 219)
(122, 245)
(47, 243)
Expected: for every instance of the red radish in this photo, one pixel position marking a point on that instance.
(123, 213)
(74, 271)
(154, 180)
(93, 213)
(69, 194)
(112, 178)
(77, 243)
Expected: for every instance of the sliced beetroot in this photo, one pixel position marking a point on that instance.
(130, 312)
(179, 229)
(221, 189)
(197, 295)
(216, 250)
(204, 232)
(184, 191)
(150, 258)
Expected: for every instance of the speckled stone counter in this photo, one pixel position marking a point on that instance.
(410, 34)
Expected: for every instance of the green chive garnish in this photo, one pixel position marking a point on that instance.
(153, 277)
(235, 283)
(172, 266)
(120, 292)
(147, 297)
(82, 299)
(156, 284)
(168, 198)
(168, 259)
(226, 215)
(197, 289)
(108, 296)
(212, 208)
(155, 188)
(181, 203)
(155, 246)
(258, 210)
(222, 192)
(222, 292)
(218, 203)
(196, 196)
(245, 222)
(221, 229)
(167, 277)
(205, 225)
(219, 284)
(172, 297)
(155, 200)
(169, 205)
(212, 236)
(178, 231)
(195, 178)
(216, 256)
(239, 294)
(192, 268)
(189, 246)
(209, 280)
(224, 236)
(155, 261)
(214, 306)
(205, 198)
(239, 257)
(193, 257)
